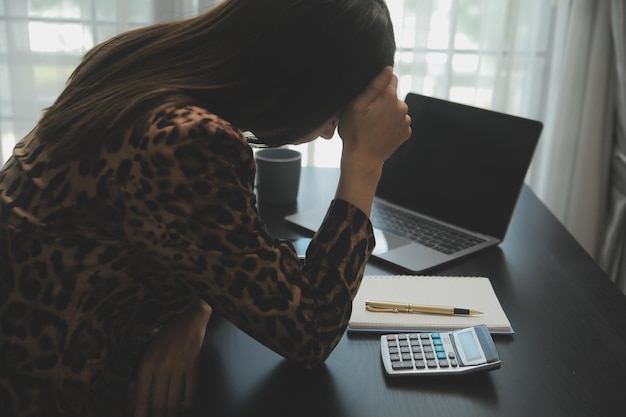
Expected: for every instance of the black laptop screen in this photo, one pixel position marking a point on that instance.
(463, 165)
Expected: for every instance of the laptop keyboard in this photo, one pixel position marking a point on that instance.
(433, 235)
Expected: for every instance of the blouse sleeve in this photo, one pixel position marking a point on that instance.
(190, 201)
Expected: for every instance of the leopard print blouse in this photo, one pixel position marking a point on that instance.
(96, 254)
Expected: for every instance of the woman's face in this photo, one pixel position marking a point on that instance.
(326, 131)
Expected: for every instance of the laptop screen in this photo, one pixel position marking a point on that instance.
(462, 164)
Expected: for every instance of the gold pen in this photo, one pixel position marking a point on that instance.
(391, 307)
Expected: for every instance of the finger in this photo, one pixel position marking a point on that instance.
(190, 389)
(373, 90)
(142, 395)
(403, 110)
(393, 84)
(210, 311)
(159, 400)
(173, 395)
(409, 131)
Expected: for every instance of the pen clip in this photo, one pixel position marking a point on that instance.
(381, 309)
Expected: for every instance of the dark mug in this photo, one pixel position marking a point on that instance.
(278, 175)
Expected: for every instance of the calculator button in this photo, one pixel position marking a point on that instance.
(427, 348)
(441, 355)
(439, 349)
(454, 363)
(405, 349)
(420, 364)
(406, 357)
(417, 356)
(393, 349)
(394, 357)
(416, 349)
(391, 337)
(414, 336)
(451, 355)
(425, 337)
(443, 364)
(435, 336)
(429, 356)
(402, 365)
(431, 364)
(437, 342)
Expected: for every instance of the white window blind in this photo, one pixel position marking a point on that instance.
(42, 41)
(489, 53)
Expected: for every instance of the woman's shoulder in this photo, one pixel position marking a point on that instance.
(190, 121)
(190, 135)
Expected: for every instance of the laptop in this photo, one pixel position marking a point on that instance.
(450, 190)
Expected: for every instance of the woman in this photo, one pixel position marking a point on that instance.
(128, 213)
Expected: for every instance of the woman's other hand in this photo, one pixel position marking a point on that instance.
(168, 371)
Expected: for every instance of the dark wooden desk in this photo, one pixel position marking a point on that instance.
(567, 357)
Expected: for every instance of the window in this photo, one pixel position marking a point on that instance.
(42, 41)
(488, 53)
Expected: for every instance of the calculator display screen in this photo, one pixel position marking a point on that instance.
(468, 345)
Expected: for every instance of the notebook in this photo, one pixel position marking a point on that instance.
(463, 292)
(459, 176)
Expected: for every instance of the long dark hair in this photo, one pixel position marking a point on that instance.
(279, 65)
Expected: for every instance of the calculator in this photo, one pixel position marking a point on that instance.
(439, 353)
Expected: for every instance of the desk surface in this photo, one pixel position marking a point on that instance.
(567, 357)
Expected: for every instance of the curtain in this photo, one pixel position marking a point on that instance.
(613, 248)
(570, 173)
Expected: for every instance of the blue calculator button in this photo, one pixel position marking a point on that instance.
(441, 355)
(439, 349)
(435, 335)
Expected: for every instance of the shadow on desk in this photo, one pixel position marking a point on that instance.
(290, 390)
(240, 377)
(482, 389)
(476, 389)
(284, 391)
